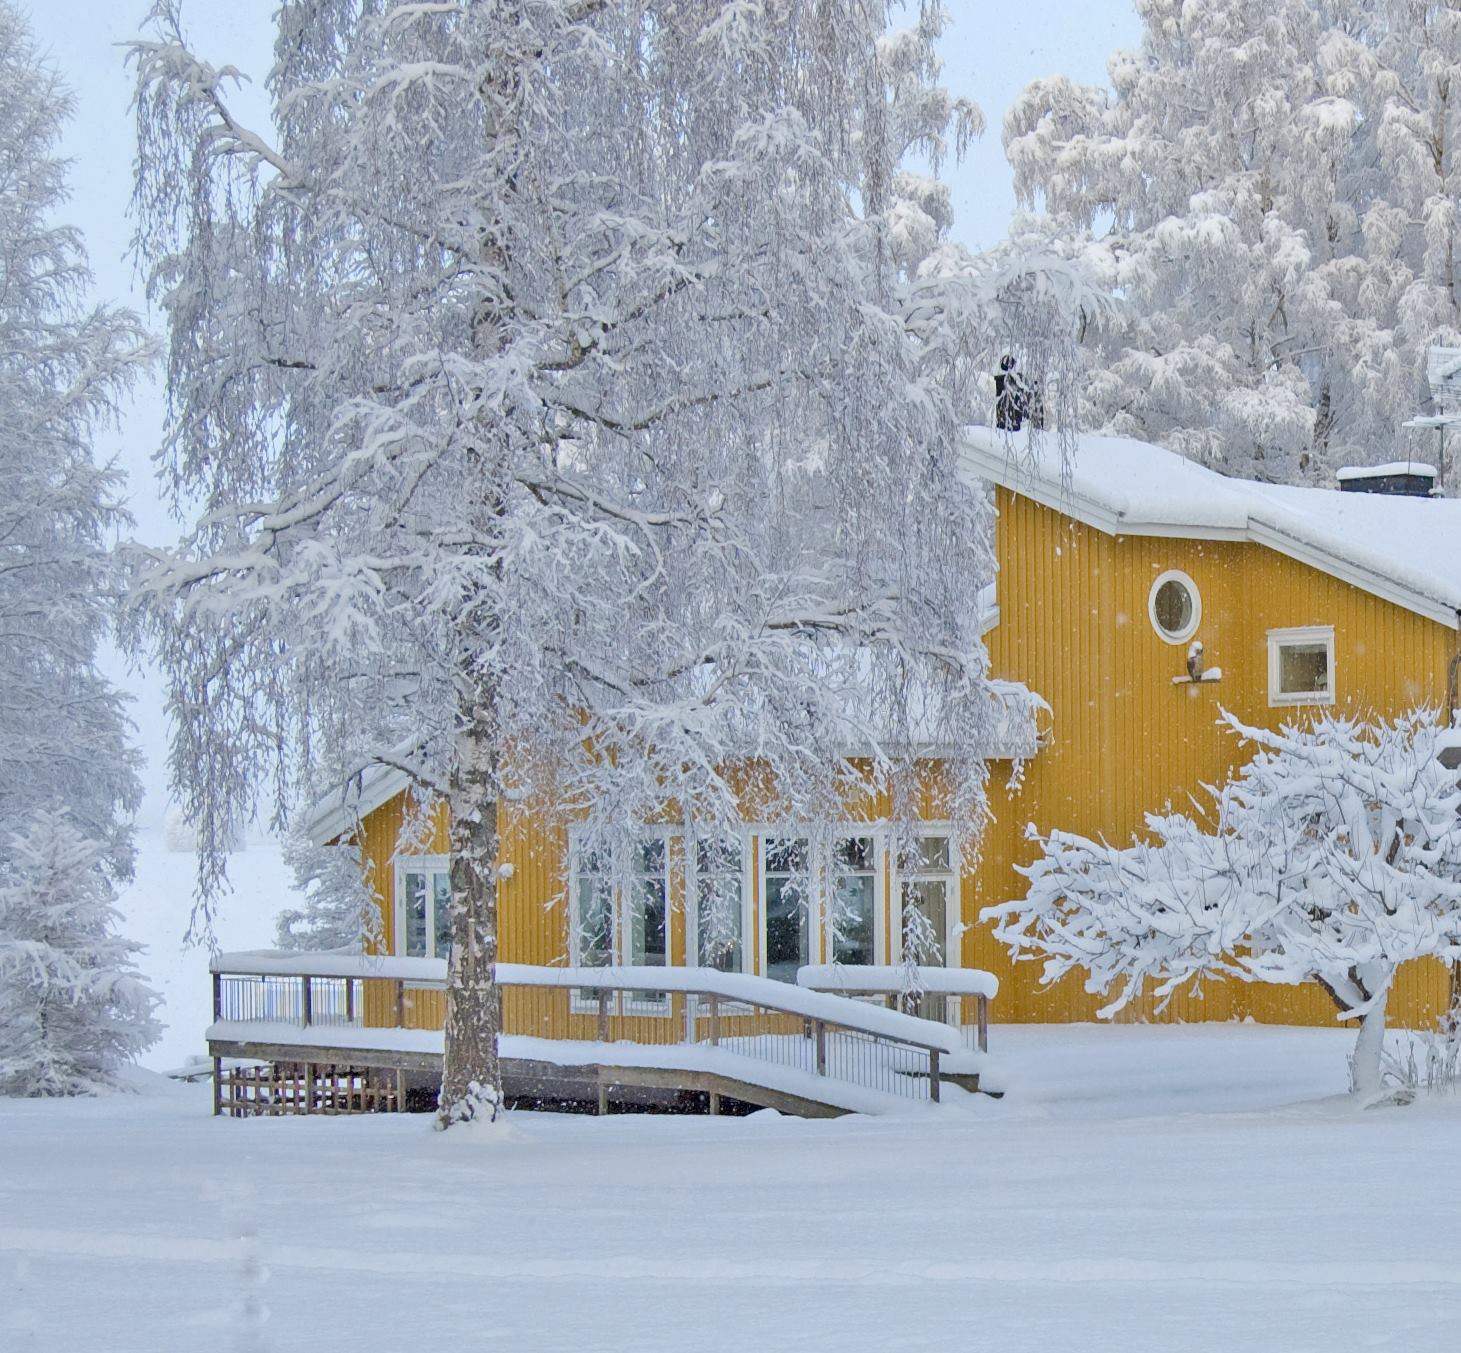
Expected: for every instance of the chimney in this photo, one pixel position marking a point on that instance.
(1406, 478)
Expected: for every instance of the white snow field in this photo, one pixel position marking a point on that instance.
(1198, 1188)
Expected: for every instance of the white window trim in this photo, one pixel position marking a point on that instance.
(627, 1003)
(820, 840)
(1303, 634)
(1187, 631)
(416, 864)
(953, 927)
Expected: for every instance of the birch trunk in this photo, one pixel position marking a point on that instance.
(471, 1085)
(1364, 1066)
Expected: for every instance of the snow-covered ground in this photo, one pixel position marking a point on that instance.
(1196, 1188)
(155, 910)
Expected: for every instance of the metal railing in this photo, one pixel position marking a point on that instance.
(630, 1016)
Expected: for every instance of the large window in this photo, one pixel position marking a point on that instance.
(720, 903)
(621, 917)
(1301, 666)
(787, 904)
(423, 907)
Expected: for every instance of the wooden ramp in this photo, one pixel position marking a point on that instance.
(290, 1036)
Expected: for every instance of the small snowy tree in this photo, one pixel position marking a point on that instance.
(340, 909)
(73, 1007)
(1335, 858)
(63, 368)
(585, 379)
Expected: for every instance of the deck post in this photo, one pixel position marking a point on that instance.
(603, 1014)
(603, 1093)
(400, 1003)
(983, 1003)
(820, 1029)
(400, 1089)
(349, 1000)
(692, 1008)
(309, 1087)
(306, 1001)
(217, 1085)
(714, 1019)
(933, 1074)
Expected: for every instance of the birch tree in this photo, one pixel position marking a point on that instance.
(1274, 188)
(1334, 859)
(581, 380)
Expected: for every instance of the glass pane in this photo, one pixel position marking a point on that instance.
(648, 930)
(786, 855)
(415, 916)
(718, 857)
(925, 918)
(441, 905)
(854, 853)
(649, 856)
(594, 903)
(719, 921)
(1303, 669)
(932, 855)
(1173, 606)
(852, 919)
(787, 906)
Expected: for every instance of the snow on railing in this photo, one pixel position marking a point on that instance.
(907, 988)
(590, 1012)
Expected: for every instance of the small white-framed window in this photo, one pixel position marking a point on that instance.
(423, 906)
(1175, 606)
(1301, 666)
(718, 906)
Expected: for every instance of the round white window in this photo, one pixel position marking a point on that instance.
(1175, 606)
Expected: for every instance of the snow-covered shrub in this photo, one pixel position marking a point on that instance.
(73, 1007)
(1334, 858)
(340, 909)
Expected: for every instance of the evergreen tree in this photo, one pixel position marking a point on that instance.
(63, 368)
(73, 1008)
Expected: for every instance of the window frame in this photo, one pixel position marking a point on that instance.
(692, 899)
(821, 868)
(428, 865)
(1308, 635)
(1183, 635)
(620, 939)
(954, 875)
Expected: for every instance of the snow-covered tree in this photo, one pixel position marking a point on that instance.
(1274, 189)
(340, 910)
(63, 367)
(583, 379)
(1335, 857)
(73, 1007)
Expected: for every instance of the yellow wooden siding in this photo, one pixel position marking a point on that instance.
(1124, 741)
(1074, 626)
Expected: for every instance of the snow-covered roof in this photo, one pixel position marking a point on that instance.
(1406, 550)
(335, 813)
(1393, 467)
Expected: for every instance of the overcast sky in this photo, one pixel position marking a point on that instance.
(992, 50)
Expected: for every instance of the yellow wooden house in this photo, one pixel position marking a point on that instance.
(1137, 594)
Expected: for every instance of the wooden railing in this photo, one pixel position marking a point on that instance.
(623, 1011)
